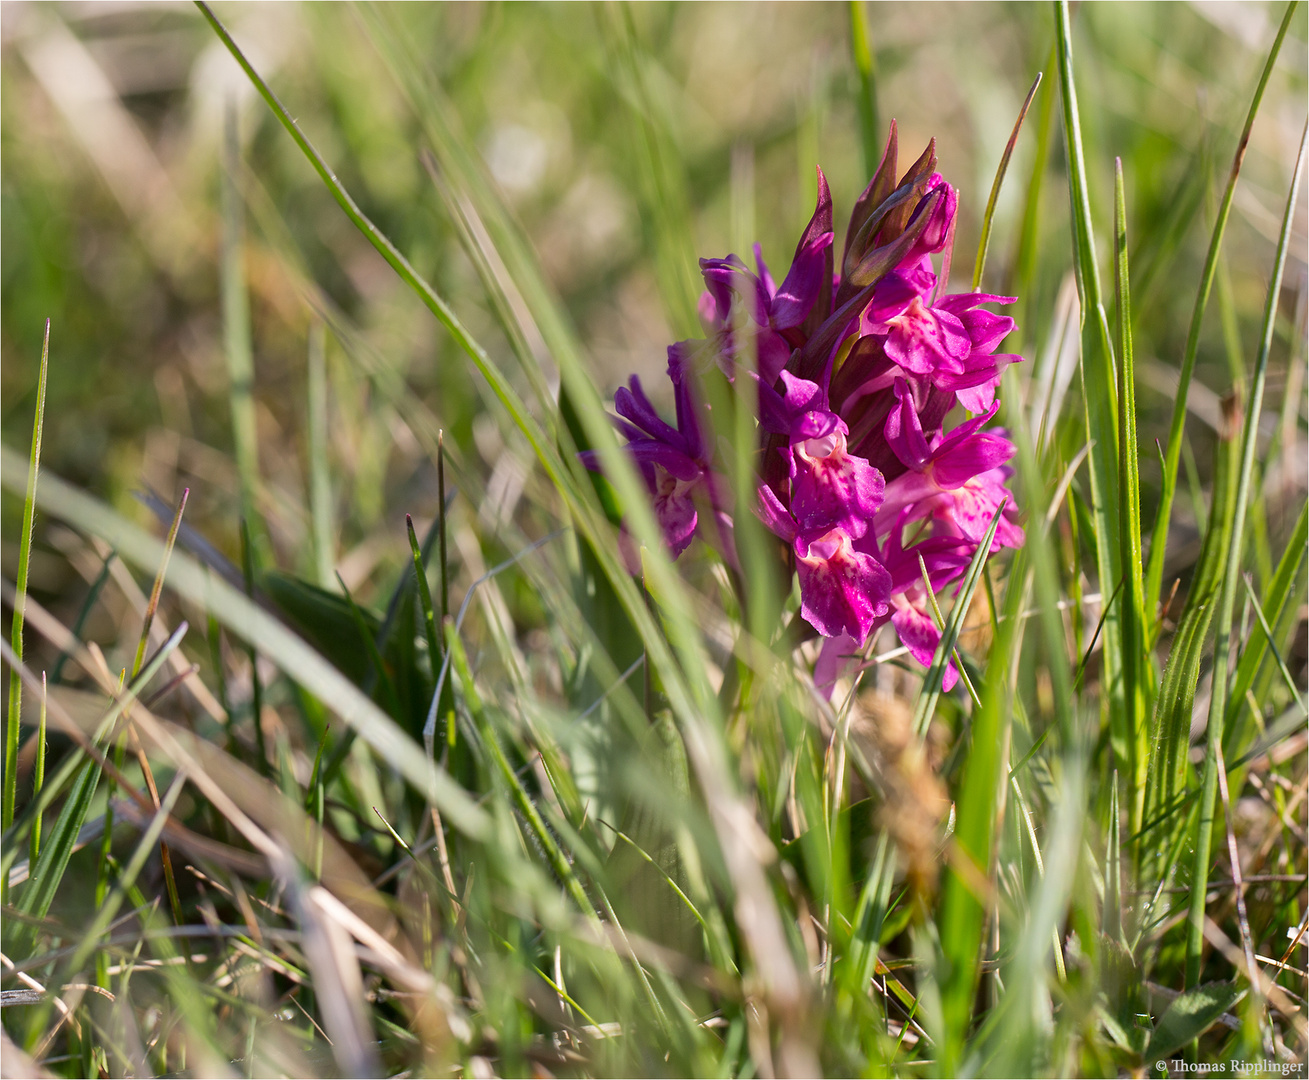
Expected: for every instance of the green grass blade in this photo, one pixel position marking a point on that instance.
(38, 773)
(1021, 281)
(1099, 393)
(256, 684)
(1170, 728)
(48, 869)
(320, 478)
(1159, 536)
(961, 914)
(127, 878)
(1270, 639)
(565, 475)
(13, 718)
(988, 218)
(865, 64)
(425, 597)
(1277, 603)
(659, 171)
(1227, 596)
(238, 350)
(1137, 670)
(1113, 870)
(558, 862)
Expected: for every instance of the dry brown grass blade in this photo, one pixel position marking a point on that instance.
(338, 982)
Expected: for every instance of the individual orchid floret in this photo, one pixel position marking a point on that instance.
(829, 485)
(948, 341)
(673, 461)
(957, 479)
(842, 590)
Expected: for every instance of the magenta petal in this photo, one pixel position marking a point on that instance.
(804, 281)
(923, 339)
(985, 328)
(710, 311)
(841, 590)
(633, 405)
(675, 512)
(977, 398)
(673, 462)
(961, 463)
(903, 431)
(957, 303)
(776, 518)
(837, 657)
(920, 636)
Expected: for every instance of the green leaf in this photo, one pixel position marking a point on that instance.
(325, 620)
(1189, 1016)
(58, 849)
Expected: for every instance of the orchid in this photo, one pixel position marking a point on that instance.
(855, 372)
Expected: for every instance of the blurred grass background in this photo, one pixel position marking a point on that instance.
(626, 141)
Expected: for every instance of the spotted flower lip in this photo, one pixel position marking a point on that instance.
(842, 590)
(829, 485)
(849, 378)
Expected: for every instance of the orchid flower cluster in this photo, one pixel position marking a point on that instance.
(856, 369)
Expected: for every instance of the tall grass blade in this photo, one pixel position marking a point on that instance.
(865, 65)
(105, 914)
(1113, 870)
(237, 347)
(1170, 727)
(925, 707)
(659, 172)
(92, 595)
(1271, 640)
(988, 218)
(13, 718)
(1137, 671)
(434, 651)
(1159, 536)
(156, 590)
(686, 685)
(1230, 585)
(962, 914)
(256, 685)
(38, 773)
(320, 477)
(1279, 607)
(1099, 391)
